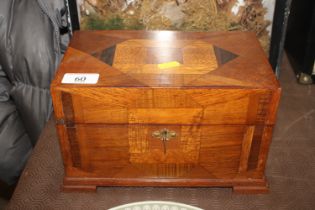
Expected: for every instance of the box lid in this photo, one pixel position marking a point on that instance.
(168, 59)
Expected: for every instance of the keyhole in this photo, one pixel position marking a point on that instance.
(164, 135)
(164, 145)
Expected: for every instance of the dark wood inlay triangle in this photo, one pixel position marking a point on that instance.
(223, 56)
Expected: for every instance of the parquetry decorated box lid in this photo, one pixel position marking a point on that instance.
(168, 59)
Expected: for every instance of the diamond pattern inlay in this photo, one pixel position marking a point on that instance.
(141, 56)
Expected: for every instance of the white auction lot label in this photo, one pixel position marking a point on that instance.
(80, 78)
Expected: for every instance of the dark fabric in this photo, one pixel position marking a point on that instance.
(290, 170)
(15, 145)
(29, 55)
(5, 50)
(34, 105)
(33, 64)
(5, 87)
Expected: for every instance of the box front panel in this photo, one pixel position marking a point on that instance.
(166, 106)
(164, 151)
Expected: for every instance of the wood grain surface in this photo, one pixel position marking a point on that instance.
(130, 58)
(169, 109)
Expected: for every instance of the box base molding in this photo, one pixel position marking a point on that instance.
(241, 186)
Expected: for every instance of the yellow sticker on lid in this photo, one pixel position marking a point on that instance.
(167, 65)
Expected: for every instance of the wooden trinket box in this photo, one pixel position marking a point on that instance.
(136, 108)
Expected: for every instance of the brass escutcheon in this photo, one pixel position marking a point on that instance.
(164, 134)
